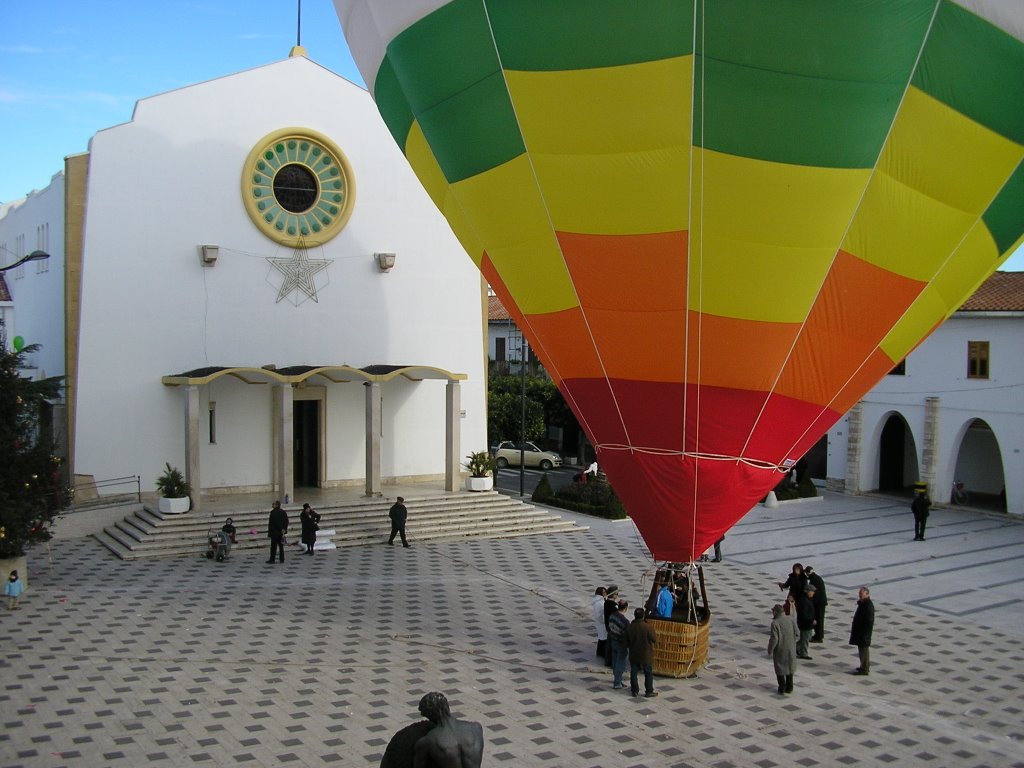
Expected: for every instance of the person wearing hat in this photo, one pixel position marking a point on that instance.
(782, 641)
(820, 601)
(618, 623)
(805, 619)
(610, 605)
(920, 506)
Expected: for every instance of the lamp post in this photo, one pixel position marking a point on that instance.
(522, 418)
(34, 256)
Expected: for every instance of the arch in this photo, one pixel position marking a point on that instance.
(898, 467)
(977, 461)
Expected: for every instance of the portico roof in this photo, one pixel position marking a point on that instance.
(296, 374)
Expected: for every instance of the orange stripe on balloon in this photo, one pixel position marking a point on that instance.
(645, 272)
(858, 305)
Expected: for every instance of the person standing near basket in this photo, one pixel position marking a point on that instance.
(642, 639)
(618, 625)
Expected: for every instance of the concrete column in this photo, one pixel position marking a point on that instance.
(452, 433)
(930, 445)
(285, 470)
(192, 444)
(854, 448)
(373, 429)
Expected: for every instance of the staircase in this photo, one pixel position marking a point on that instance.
(489, 515)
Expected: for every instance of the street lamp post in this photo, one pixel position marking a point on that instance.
(522, 418)
(34, 256)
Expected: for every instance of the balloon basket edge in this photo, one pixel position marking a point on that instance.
(682, 647)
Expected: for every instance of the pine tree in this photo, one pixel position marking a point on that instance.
(32, 490)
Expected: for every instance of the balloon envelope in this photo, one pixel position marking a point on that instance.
(718, 224)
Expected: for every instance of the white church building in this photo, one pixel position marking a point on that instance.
(247, 281)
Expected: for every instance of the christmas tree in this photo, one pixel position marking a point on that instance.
(32, 487)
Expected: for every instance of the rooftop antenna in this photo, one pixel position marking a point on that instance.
(297, 49)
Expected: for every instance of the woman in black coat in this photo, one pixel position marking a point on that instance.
(310, 519)
(860, 633)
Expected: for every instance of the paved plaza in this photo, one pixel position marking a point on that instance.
(184, 661)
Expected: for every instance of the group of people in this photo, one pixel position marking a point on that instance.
(800, 620)
(620, 640)
(309, 519)
(277, 527)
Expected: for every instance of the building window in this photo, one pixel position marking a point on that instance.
(900, 369)
(499, 349)
(977, 359)
(213, 421)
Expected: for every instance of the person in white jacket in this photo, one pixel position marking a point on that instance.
(597, 610)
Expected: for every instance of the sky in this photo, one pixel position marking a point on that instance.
(70, 68)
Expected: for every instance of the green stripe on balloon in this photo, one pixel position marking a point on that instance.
(975, 68)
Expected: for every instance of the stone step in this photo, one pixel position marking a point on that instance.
(148, 533)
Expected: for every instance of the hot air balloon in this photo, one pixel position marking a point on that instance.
(718, 224)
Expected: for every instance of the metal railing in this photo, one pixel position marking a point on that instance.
(98, 491)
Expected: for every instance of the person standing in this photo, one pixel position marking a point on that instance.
(641, 638)
(597, 612)
(13, 589)
(805, 620)
(860, 632)
(718, 550)
(398, 514)
(796, 582)
(820, 601)
(920, 506)
(309, 518)
(611, 599)
(782, 648)
(277, 527)
(618, 625)
(666, 602)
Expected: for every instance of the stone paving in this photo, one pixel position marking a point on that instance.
(320, 660)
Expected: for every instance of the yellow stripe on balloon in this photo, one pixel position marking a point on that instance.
(946, 155)
(937, 174)
(423, 163)
(512, 223)
(945, 294)
(762, 230)
(621, 131)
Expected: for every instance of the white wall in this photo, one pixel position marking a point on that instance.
(169, 181)
(40, 289)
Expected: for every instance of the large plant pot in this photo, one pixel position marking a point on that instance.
(479, 483)
(19, 564)
(175, 506)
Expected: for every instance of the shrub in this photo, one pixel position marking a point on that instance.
(543, 493)
(171, 483)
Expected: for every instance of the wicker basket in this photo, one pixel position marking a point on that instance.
(682, 647)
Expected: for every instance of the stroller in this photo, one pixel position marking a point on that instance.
(219, 542)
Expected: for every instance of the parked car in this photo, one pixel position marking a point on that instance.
(508, 452)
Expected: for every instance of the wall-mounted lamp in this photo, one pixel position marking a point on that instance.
(208, 254)
(385, 261)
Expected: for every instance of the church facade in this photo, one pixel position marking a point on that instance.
(247, 281)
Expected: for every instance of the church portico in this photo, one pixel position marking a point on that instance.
(302, 439)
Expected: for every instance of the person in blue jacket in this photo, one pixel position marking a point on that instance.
(666, 602)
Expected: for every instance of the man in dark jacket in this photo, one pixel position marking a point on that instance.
(820, 601)
(642, 639)
(920, 507)
(805, 619)
(398, 514)
(277, 527)
(860, 633)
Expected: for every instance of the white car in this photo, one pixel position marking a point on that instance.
(508, 452)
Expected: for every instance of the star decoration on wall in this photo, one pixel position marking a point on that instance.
(299, 271)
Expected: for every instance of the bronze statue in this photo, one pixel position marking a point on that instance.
(441, 741)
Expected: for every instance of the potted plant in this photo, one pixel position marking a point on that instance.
(174, 491)
(481, 466)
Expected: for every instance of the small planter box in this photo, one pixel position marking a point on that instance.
(175, 506)
(479, 483)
